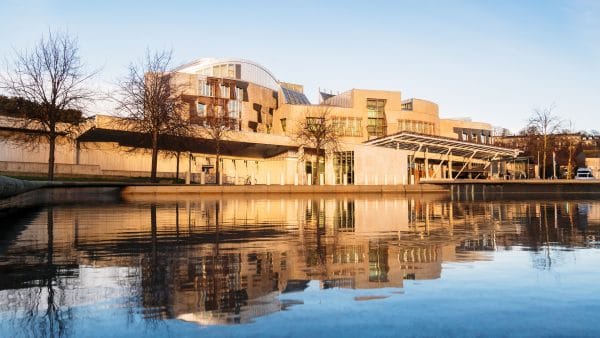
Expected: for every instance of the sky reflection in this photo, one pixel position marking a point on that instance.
(175, 266)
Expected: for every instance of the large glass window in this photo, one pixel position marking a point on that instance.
(376, 125)
(224, 91)
(314, 123)
(343, 167)
(348, 126)
(204, 88)
(420, 127)
(234, 107)
(226, 70)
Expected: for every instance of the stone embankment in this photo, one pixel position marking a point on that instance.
(282, 189)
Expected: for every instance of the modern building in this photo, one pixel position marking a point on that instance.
(384, 139)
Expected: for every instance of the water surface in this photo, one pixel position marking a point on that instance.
(365, 265)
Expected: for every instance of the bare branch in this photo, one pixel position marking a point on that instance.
(150, 103)
(52, 76)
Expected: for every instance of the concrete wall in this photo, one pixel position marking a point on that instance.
(422, 111)
(373, 165)
(447, 126)
(594, 164)
(377, 165)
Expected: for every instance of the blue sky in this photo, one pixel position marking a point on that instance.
(493, 61)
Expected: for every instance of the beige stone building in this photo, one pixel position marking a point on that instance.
(261, 147)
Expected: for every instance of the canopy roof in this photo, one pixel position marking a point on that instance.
(443, 145)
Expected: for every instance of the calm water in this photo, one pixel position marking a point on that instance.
(301, 266)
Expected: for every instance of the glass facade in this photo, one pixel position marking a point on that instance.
(414, 126)
(376, 126)
(348, 126)
(343, 167)
(314, 123)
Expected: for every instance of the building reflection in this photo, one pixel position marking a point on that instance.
(220, 261)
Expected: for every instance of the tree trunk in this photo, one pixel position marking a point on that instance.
(217, 164)
(177, 170)
(317, 178)
(544, 157)
(154, 156)
(52, 147)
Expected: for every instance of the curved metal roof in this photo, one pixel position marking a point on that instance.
(202, 63)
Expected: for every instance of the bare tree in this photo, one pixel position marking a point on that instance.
(52, 76)
(151, 102)
(318, 131)
(217, 125)
(544, 124)
(218, 121)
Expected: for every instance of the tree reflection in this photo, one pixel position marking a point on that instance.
(222, 268)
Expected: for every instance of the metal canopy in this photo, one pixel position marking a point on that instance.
(443, 145)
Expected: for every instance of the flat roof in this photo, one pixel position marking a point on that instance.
(193, 144)
(442, 145)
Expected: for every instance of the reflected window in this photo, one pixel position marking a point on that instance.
(378, 263)
(343, 218)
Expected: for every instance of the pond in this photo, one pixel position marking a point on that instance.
(102, 265)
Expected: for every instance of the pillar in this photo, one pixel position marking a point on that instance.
(426, 163)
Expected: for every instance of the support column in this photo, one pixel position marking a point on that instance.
(188, 174)
(426, 163)
(450, 166)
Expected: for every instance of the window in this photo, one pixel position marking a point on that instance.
(343, 167)
(376, 125)
(420, 127)
(204, 88)
(226, 70)
(283, 124)
(231, 71)
(224, 90)
(348, 126)
(201, 109)
(314, 123)
(233, 106)
(239, 94)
